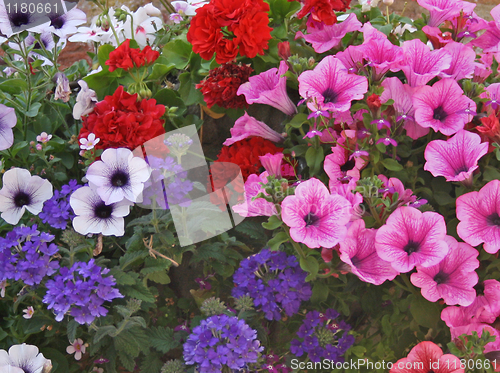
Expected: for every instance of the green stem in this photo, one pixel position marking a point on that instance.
(295, 245)
(112, 28)
(407, 282)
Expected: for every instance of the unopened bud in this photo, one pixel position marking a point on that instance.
(388, 2)
(311, 62)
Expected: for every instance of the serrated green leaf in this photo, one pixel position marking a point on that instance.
(151, 364)
(251, 228)
(104, 331)
(139, 291)
(159, 277)
(71, 330)
(162, 339)
(121, 277)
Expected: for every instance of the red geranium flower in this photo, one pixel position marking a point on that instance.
(127, 58)
(225, 27)
(120, 121)
(222, 83)
(323, 10)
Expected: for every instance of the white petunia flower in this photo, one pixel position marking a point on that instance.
(24, 359)
(144, 27)
(21, 192)
(94, 216)
(63, 24)
(8, 120)
(85, 101)
(118, 175)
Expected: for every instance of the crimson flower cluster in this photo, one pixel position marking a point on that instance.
(226, 27)
(221, 86)
(120, 121)
(25, 254)
(127, 58)
(275, 281)
(323, 10)
(320, 337)
(82, 290)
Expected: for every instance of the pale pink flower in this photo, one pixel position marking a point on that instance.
(89, 142)
(315, 217)
(411, 238)
(462, 62)
(43, 137)
(28, 312)
(358, 250)
(247, 126)
(77, 347)
(259, 206)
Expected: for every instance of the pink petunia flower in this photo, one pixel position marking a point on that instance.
(351, 58)
(269, 88)
(437, 37)
(453, 279)
(410, 238)
(330, 87)
(443, 10)
(259, 206)
(354, 198)
(393, 186)
(247, 126)
(492, 94)
(442, 107)
(402, 95)
(462, 62)
(479, 217)
(272, 163)
(426, 357)
(489, 41)
(327, 37)
(455, 159)
(381, 55)
(358, 250)
(315, 217)
(420, 64)
(339, 165)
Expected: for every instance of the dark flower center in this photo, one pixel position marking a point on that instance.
(119, 179)
(19, 19)
(439, 114)
(493, 219)
(103, 211)
(57, 22)
(311, 219)
(461, 169)
(22, 199)
(411, 247)
(355, 261)
(37, 46)
(348, 166)
(441, 278)
(479, 288)
(330, 96)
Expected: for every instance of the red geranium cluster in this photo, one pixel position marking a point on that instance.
(120, 121)
(245, 153)
(225, 27)
(127, 58)
(323, 10)
(222, 83)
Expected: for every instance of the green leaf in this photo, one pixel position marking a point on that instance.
(160, 70)
(17, 147)
(33, 111)
(159, 277)
(121, 277)
(103, 55)
(71, 330)
(251, 229)
(162, 339)
(443, 198)
(104, 331)
(314, 157)
(319, 293)
(310, 265)
(188, 91)
(177, 52)
(275, 242)
(151, 364)
(425, 313)
(391, 164)
(139, 291)
(298, 120)
(272, 223)
(13, 86)
(59, 361)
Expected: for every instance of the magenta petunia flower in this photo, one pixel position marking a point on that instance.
(247, 126)
(442, 107)
(358, 250)
(492, 94)
(462, 62)
(339, 166)
(330, 87)
(453, 279)
(402, 95)
(327, 37)
(489, 41)
(315, 217)
(259, 206)
(443, 10)
(479, 217)
(355, 198)
(381, 55)
(351, 58)
(269, 88)
(420, 64)
(411, 238)
(272, 163)
(455, 159)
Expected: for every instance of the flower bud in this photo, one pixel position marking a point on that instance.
(388, 2)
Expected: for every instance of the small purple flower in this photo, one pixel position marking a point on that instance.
(381, 123)
(387, 141)
(57, 211)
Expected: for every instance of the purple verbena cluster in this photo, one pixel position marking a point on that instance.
(82, 290)
(167, 183)
(222, 341)
(321, 337)
(25, 254)
(275, 281)
(57, 211)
